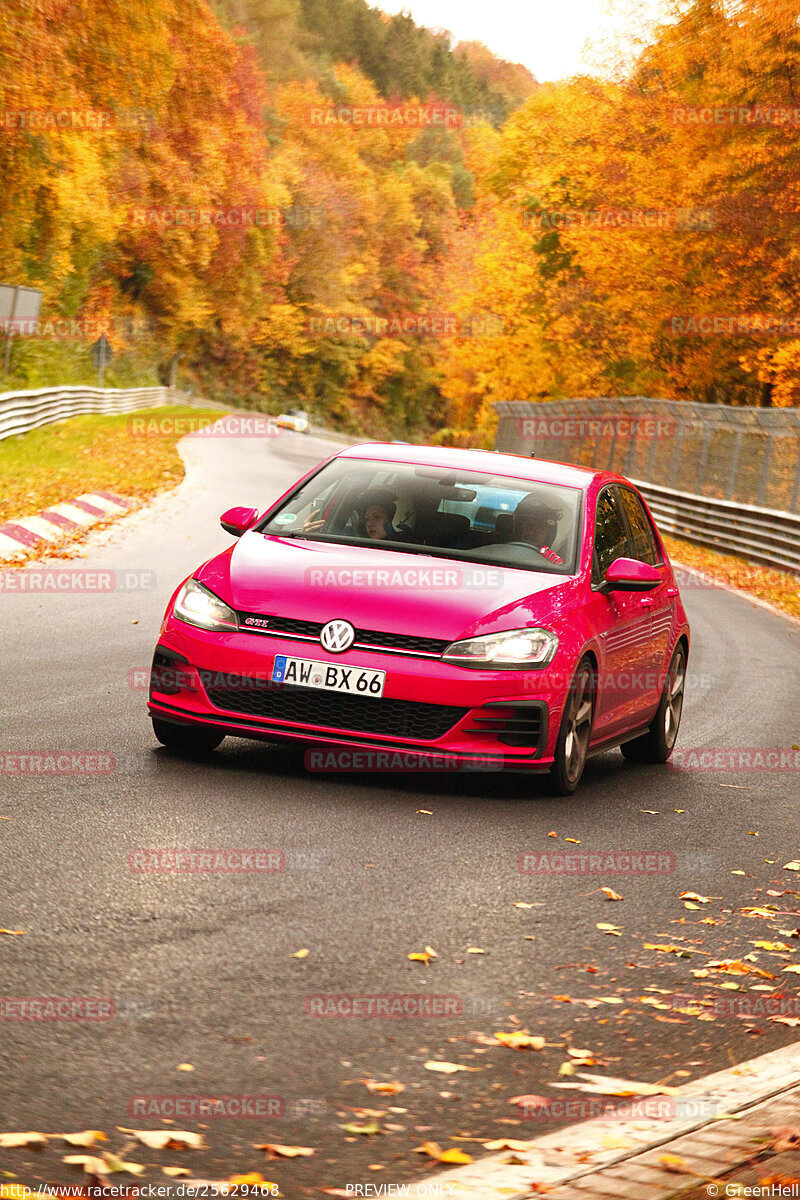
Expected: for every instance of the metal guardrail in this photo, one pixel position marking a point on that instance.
(727, 478)
(20, 412)
(760, 534)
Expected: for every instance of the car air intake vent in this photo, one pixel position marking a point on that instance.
(522, 724)
(332, 710)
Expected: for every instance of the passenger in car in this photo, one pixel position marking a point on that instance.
(536, 523)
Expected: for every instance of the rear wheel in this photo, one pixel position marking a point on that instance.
(575, 733)
(657, 744)
(191, 740)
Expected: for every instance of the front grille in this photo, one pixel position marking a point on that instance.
(293, 627)
(333, 710)
(522, 724)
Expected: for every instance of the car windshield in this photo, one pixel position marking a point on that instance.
(436, 510)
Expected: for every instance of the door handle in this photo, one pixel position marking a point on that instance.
(672, 591)
(646, 603)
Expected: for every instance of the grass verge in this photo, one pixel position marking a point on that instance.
(91, 453)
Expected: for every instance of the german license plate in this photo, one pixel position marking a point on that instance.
(331, 677)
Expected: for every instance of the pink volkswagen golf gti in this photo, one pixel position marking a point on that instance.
(490, 610)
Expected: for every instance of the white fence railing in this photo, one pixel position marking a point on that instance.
(22, 411)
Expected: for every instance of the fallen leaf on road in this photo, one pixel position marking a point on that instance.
(794, 865)
(105, 1164)
(614, 930)
(610, 893)
(665, 949)
(300, 953)
(735, 966)
(87, 1138)
(575, 841)
(475, 950)
(783, 1137)
(447, 1068)
(794, 969)
(793, 1022)
(552, 833)
(433, 1150)
(176, 1172)
(522, 904)
(425, 811)
(370, 1128)
(507, 1144)
(530, 1101)
(421, 956)
(91, 1165)
(383, 1089)
(775, 946)
(160, 1139)
(694, 896)
(651, 812)
(274, 1150)
(520, 1041)
(184, 1067)
(22, 1139)
(13, 932)
(671, 1162)
(607, 1085)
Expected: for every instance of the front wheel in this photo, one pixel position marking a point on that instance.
(657, 744)
(189, 740)
(575, 732)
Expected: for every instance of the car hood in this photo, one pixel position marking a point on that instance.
(382, 589)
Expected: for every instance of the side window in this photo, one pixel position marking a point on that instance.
(643, 544)
(610, 535)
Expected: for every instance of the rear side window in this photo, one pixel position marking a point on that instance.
(610, 535)
(643, 543)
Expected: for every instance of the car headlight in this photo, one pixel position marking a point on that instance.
(196, 605)
(513, 648)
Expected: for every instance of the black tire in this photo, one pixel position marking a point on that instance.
(189, 740)
(657, 744)
(575, 731)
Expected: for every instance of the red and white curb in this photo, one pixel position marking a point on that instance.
(579, 1150)
(57, 522)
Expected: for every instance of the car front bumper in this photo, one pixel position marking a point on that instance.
(461, 717)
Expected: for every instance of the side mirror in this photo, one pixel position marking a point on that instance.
(630, 575)
(238, 520)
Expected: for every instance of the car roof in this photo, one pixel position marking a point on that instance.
(487, 462)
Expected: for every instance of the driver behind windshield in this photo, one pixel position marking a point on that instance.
(536, 523)
(376, 511)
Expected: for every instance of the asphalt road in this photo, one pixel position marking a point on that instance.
(200, 966)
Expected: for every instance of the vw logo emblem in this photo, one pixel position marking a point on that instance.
(337, 636)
